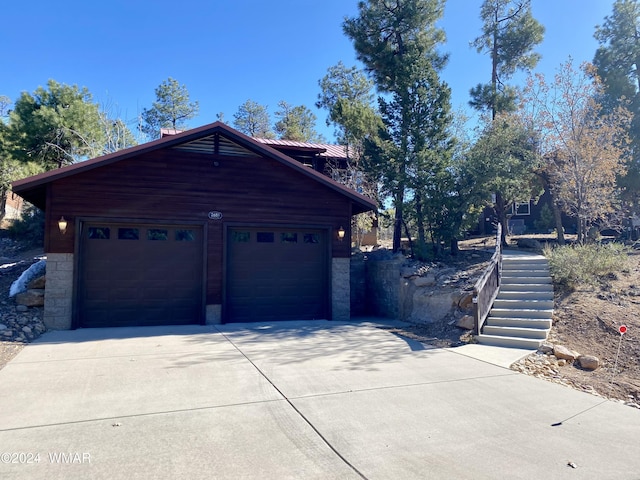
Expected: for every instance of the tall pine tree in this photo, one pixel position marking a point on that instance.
(396, 41)
(509, 35)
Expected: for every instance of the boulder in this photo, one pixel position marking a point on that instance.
(427, 281)
(589, 362)
(430, 306)
(545, 348)
(529, 243)
(467, 322)
(31, 298)
(37, 283)
(466, 302)
(562, 352)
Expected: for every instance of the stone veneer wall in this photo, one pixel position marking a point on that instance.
(213, 314)
(340, 288)
(383, 282)
(58, 291)
(394, 290)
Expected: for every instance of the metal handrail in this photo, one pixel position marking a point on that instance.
(486, 288)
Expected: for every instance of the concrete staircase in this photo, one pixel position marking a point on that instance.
(521, 314)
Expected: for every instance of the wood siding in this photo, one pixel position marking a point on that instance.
(172, 186)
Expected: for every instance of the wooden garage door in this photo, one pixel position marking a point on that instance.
(276, 274)
(132, 274)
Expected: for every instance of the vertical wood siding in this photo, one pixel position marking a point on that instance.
(172, 186)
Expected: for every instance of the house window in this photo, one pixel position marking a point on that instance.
(98, 233)
(265, 237)
(128, 234)
(289, 237)
(523, 208)
(185, 236)
(157, 234)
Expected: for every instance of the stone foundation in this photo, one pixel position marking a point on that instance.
(393, 290)
(58, 291)
(213, 315)
(340, 288)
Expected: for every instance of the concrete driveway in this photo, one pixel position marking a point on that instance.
(294, 400)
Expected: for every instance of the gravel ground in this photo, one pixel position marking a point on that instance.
(18, 325)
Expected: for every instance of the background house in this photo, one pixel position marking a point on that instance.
(206, 225)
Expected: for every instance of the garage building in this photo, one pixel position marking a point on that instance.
(204, 226)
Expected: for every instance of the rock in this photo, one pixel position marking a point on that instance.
(31, 298)
(427, 281)
(431, 305)
(562, 352)
(529, 243)
(22, 308)
(588, 362)
(467, 322)
(7, 333)
(26, 329)
(546, 348)
(466, 302)
(37, 283)
(3, 326)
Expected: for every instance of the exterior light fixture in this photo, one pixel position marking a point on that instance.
(62, 225)
(341, 234)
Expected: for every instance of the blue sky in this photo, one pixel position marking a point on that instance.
(228, 51)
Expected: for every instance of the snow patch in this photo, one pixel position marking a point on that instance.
(34, 271)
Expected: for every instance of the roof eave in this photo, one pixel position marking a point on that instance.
(32, 188)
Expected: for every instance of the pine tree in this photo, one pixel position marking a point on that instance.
(396, 41)
(171, 109)
(509, 35)
(253, 119)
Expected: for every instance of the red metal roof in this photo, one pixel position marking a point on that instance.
(323, 150)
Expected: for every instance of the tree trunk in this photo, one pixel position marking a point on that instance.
(501, 213)
(494, 68)
(557, 215)
(3, 203)
(422, 243)
(406, 230)
(454, 246)
(555, 207)
(398, 222)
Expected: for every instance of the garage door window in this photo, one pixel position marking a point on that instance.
(98, 233)
(128, 234)
(288, 237)
(185, 236)
(157, 234)
(265, 237)
(241, 237)
(311, 238)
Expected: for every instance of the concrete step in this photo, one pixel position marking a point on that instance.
(525, 273)
(521, 312)
(525, 261)
(511, 342)
(521, 303)
(525, 295)
(526, 287)
(524, 332)
(521, 315)
(518, 272)
(537, 323)
(507, 279)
